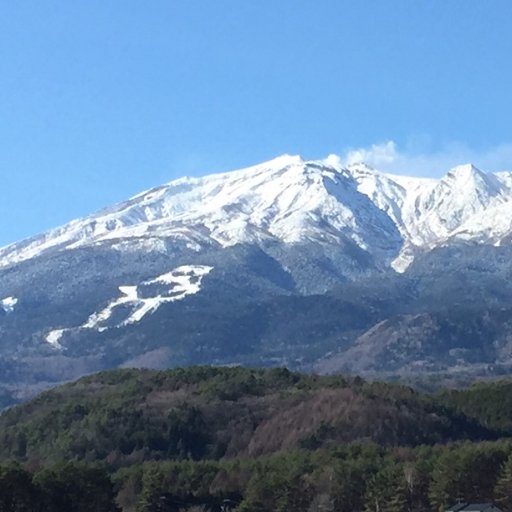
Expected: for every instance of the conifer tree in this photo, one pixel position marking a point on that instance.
(503, 489)
(149, 500)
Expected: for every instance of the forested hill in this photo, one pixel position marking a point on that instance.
(253, 440)
(127, 416)
(488, 403)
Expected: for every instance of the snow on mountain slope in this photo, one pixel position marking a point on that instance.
(391, 193)
(286, 199)
(427, 209)
(460, 195)
(180, 282)
(492, 225)
(290, 200)
(137, 301)
(8, 304)
(453, 209)
(466, 204)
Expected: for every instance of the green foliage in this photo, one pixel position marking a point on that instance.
(252, 440)
(468, 471)
(76, 488)
(123, 417)
(351, 478)
(61, 488)
(503, 488)
(490, 403)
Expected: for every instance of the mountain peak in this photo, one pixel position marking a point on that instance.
(362, 167)
(468, 177)
(284, 160)
(465, 170)
(287, 199)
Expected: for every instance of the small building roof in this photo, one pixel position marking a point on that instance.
(457, 508)
(474, 507)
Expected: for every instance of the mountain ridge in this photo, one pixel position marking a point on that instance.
(290, 200)
(289, 262)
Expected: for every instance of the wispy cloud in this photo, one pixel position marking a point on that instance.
(388, 157)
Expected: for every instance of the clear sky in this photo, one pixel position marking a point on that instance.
(101, 99)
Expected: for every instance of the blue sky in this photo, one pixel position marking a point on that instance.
(102, 99)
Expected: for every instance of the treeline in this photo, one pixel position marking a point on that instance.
(71, 487)
(489, 403)
(351, 478)
(360, 477)
(128, 417)
(245, 440)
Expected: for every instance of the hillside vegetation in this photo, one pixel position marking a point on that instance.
(128, 416)
(253, 440)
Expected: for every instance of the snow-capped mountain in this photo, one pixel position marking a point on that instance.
(289, 200)
(288, 262)
(465, 205)
(286, 200)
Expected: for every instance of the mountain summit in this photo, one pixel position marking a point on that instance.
(290, 262)
(290, 200)
(284, 200)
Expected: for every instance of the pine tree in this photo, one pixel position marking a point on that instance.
(149, 500)
(503, 489)
(387, 491)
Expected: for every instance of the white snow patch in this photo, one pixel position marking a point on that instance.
(181, 276)
(129, 296)
(8, 304)
(53, 338)
(180, 282)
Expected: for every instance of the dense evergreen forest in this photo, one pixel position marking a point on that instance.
(250, 440)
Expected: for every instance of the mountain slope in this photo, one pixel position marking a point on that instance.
(290, 200)
(211, 438)
(286, 200)
(205, 412)
(289, 262)
(466, 204)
